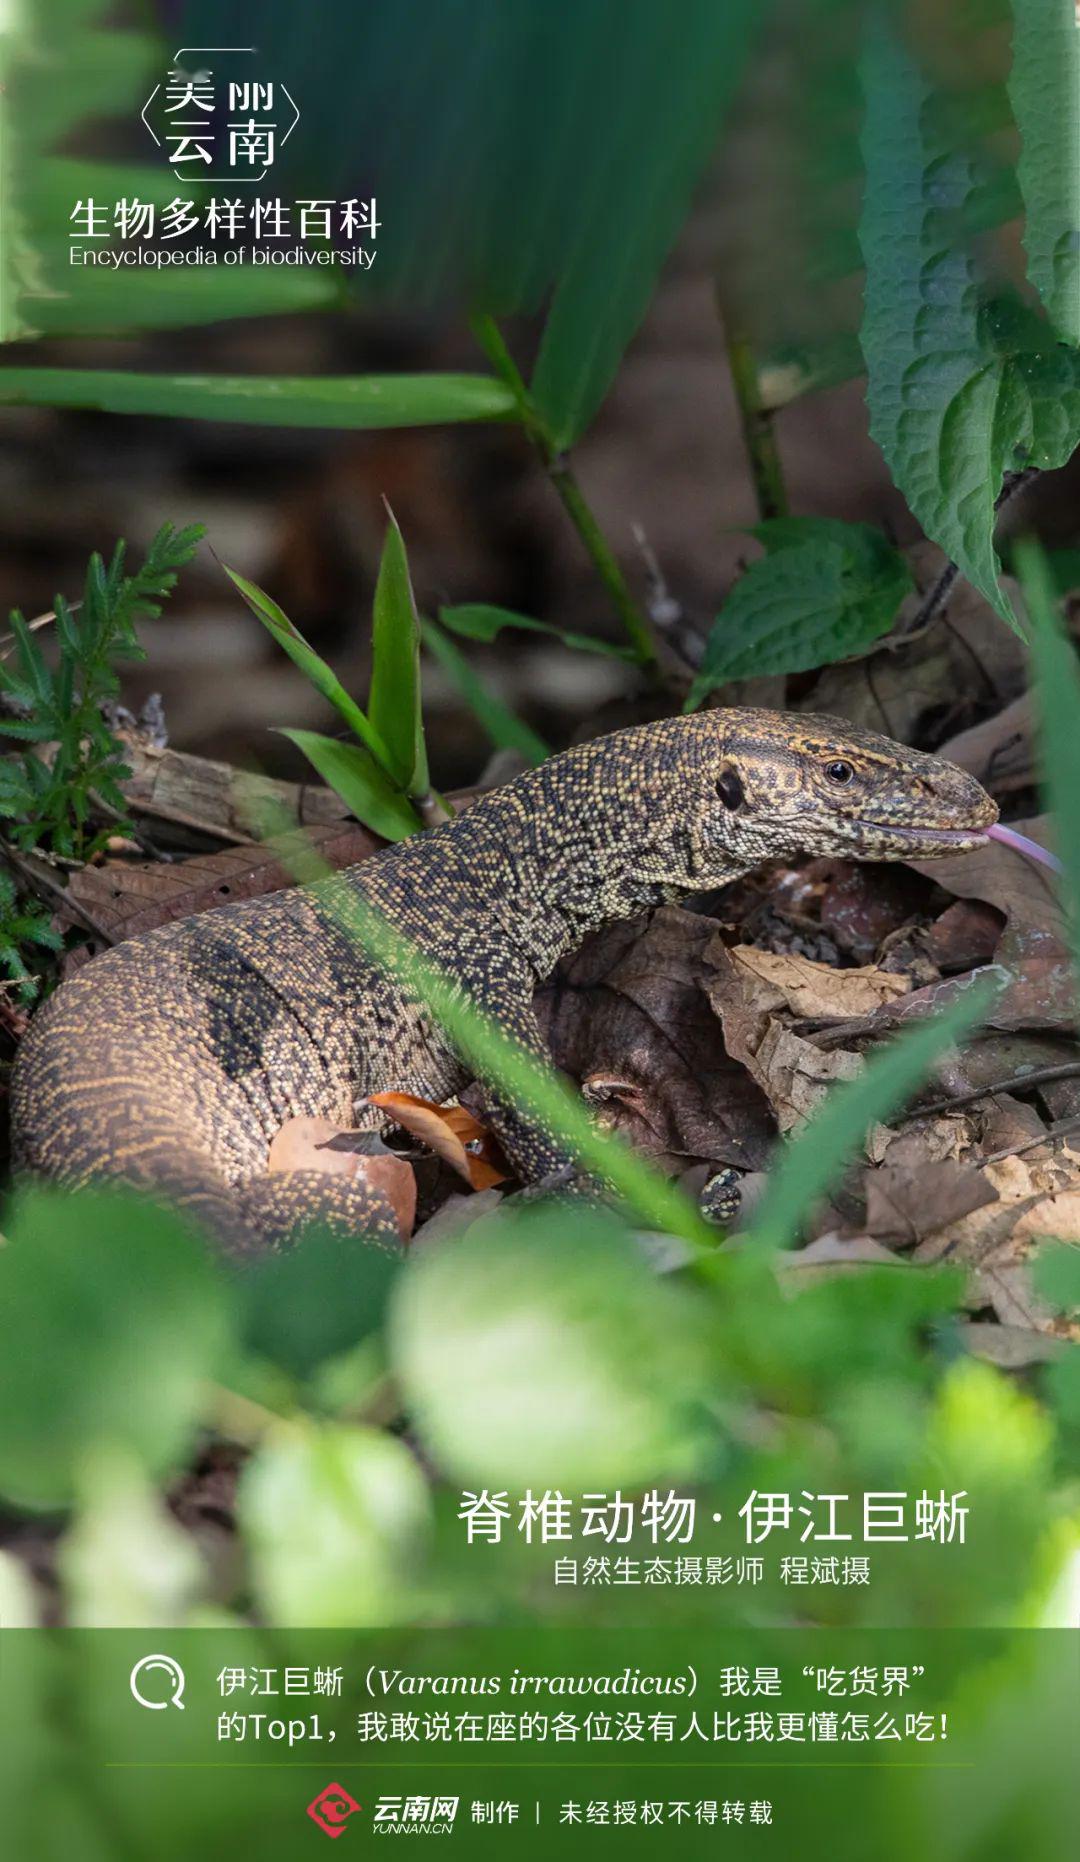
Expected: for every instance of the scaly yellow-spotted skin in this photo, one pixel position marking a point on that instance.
(170, 1062)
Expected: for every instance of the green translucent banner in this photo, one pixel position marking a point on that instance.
(209, 1743)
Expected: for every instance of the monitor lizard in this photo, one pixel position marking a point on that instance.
(171, 1061)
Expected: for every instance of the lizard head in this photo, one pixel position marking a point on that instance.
(785, 782)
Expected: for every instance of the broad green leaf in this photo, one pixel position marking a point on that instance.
(824, 590)
(505, 729)
(125, 1563)
(335, 1521)
(311, 664)
(962, 389)
(636, 195)
(366, 401)
(506, 1337)
(478, 620)
(1057, 686)
(1056, 1274)
(1044, 87)
(362, 784)
(108, 301)
(112, 1318)
(812, 1162)
(314, 1300)
(394, 704)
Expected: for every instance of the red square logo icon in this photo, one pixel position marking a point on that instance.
(332, 1809)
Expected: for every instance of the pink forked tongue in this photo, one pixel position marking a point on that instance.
(1031, 848)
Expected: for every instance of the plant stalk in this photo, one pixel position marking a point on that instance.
(557, 464)
(758, 431)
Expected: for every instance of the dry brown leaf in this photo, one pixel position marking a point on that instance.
(999, 752)
(816, 991)
(128, 897)
(318, 1144)
(792, 1072)
(629, 1017)
(452, 1133)
(1010, 1347)
(906, 1202)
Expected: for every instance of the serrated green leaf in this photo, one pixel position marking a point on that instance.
(503, 727)
(357, 401)
(479, 620)
(824, 590)
(961, 389)
(812, 1162)
(394, 705)
(362, 784)
(1044, 88)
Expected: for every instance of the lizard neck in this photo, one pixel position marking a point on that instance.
(574, 845)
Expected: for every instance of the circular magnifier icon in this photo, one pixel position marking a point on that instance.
(161, 1675)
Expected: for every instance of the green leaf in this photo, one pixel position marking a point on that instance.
(109, 302)
(824, 590)
(335, 1521)
(1044, 88)
(363, 401)
(814, 1160)
(1056, 1274)
(1057, 685)
(477, 620)
(361, 783)
(505, 1337)
(112, 1318)
(394, 705)
(961, 389)
(635, 193)
(505, 729)
(125, 1562)
(311, 664)
(313, 1301)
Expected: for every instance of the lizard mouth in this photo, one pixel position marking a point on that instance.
(931, 839)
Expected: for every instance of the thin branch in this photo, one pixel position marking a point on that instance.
(668, 616)
(562, 477)
(1064, 1129)
(1016, 1082)
(758, 431)
(939, 592)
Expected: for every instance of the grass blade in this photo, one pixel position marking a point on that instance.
(503, 727)
(311, 664)
(361, 401)
(1057, 681)
(394, 699)
(479, 620)
(362, 785)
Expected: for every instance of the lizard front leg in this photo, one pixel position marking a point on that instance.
(517, 1120)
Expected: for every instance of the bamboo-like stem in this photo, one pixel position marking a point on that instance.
(559, 470)
(758, 432)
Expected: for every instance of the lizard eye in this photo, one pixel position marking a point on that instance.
(839, 771)
(730, 789)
